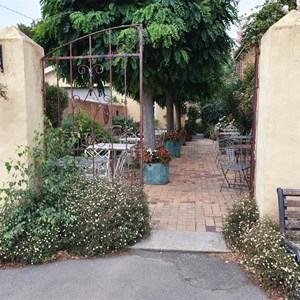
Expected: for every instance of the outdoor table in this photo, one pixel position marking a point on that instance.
(238, 137)
(112, 146)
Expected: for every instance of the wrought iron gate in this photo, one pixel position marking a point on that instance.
(89, 69)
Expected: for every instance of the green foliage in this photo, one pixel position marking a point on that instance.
(84, 126)
(210, 114)
(126, 122)
(240, 219)
(191, 125)
(234, 99)
(184, 41)
(51, 208)
(105, 217)
(28, 30)
(57, 100)
(33, 214)
(259, 22)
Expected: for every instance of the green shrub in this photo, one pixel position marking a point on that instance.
(57, 100)
(83, 125)
(240, 219)
(191, 125)
(105, 217)
(262, 248)
(33, 213)
(50, 208)
(125, 122)
(265, 256)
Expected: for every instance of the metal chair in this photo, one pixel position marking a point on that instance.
(221, 144)
(122, 164)
(101, 160)
(235, 173)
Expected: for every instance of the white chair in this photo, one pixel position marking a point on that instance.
(101, 159)
(122, 164)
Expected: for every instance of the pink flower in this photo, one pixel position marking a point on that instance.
(239, 32)
(238, 40)
(285, 9)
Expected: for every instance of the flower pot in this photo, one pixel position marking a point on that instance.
(173, 147)
(156, 173)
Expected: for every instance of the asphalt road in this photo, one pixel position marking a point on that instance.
(137, 275)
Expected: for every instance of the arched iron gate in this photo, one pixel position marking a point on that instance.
(86, 68)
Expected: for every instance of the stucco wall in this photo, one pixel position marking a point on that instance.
(22, 113)
(278, 127)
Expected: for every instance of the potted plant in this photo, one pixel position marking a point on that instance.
(172, 142)
(156, 165)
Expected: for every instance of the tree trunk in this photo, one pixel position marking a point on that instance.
(170, 109)
(148, 118)
(178, 115)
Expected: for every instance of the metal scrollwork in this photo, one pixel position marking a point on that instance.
(105, 114)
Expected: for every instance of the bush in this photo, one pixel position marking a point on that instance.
(57, 100)
(33, 214)
(105, 217)
(52, 208)
(83, 125)
(126, 122)
(191, 125)
(240, 219)
(265, 255)
(262, 248)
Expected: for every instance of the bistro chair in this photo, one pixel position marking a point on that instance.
(101, 160)
(235, 173)
(122, 164)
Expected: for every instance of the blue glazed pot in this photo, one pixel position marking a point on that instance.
(173, 147)
(156, 173)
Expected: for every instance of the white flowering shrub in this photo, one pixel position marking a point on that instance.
(265, 255)
(104, 217)
(33, 214)
(240, 219)
(262, 248)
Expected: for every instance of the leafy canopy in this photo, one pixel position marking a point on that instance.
(184, 41)
(259, 22)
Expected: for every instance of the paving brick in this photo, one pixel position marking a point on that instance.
(192, 200)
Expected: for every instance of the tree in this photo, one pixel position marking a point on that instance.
(259, 22)
(184, 41)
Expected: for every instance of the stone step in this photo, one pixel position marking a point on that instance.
(183, 241)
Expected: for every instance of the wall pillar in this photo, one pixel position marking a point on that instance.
(22, 113)
(278, 113)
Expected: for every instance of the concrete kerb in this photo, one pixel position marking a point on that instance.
(183, 241)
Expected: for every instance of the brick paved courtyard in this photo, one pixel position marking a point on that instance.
(192, 200)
